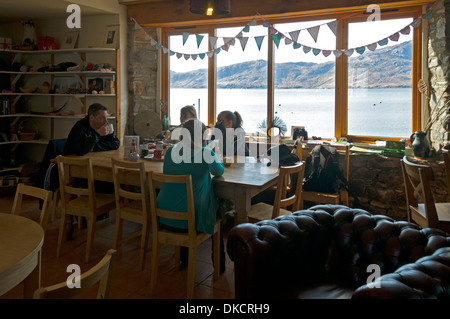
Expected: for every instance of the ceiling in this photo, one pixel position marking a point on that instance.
(22, 10)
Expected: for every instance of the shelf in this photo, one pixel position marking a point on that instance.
(25, 142)
(56, 94)
(61, 72)
(49, 116)
(62, 51)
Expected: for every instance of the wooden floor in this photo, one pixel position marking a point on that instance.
(128, 282)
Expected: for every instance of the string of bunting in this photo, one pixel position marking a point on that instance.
(290, 38)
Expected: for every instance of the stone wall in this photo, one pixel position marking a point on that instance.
(142, 75)
(376, 184)
(439, 75)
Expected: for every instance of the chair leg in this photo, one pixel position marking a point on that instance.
(62, 231)
(144, 241)
(118, 231)
(154, 270)
(191, 272)
(216, 243)
(90, 236)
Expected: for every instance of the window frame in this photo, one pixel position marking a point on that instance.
(341, 75)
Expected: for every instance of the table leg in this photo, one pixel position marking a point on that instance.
(242, 205)
(33, 280)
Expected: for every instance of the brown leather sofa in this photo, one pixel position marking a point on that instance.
(332, 251)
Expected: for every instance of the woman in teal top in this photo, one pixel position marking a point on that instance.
(190, 157)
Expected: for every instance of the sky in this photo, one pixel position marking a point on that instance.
(362, 33)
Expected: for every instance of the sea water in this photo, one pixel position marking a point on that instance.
(383, 112)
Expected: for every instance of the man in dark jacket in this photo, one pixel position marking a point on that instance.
(91, 133)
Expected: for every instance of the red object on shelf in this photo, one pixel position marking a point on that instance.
(46, 43)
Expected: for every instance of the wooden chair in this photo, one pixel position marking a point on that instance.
(446, 155)
(420, 202)
(36, 192)
(79, 199)
(287, 186)
(100, 273)
(191, 239)
(332, 198)
(132, 202)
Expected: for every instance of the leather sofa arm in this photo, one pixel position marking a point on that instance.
(428, 277)
(271, 255)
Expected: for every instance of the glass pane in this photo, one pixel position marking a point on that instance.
(379, 81)
(188, 76)
(304, 82)
(242, 76)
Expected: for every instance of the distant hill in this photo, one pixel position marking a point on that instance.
(384, 67)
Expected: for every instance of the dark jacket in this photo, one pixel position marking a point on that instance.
(83, 139)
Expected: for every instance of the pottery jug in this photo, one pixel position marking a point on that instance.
(420, 144)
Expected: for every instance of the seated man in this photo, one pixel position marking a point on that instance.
(91, 133)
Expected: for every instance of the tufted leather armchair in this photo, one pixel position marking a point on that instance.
(325, 252)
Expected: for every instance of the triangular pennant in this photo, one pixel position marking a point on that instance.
(266, 24)
(316, 51)
(383, 42)
(360, 50)
(372, 46)
(296, 45)
(252, 22)
(326, 53)
(172, 53)
(199, 38)
(294, 35)
(201, 56)
(337, 53)
(259, 41)
(428, 15)
(212, 41)
(225, 47)
(210, 54)
(416, 23)
(243, 41)
(333, 26)
(158, 46)
(185, 37)
(349, 52)
(272, 31)
(179, 55)
(165, 50)
(406, 30)
(136, 25)
(186, 56)
(395, 36)
(246, 28)
(147, 37)
(276, 38)
(142, 31)
(306, 49)
(217, 51)
(194, 56)
(314, 32)
(287, 41)
(153, 42)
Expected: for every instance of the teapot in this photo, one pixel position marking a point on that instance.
(420, 144)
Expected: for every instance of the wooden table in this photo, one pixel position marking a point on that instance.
(240, 181)
(21, 241)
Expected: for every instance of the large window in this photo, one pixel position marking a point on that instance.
(379, 82)
(242, 76)
(188, 75)
(304, 82)
(364, 93)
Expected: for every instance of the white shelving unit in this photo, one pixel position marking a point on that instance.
(40, 107)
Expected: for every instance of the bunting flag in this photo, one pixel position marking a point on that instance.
(276, 36)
